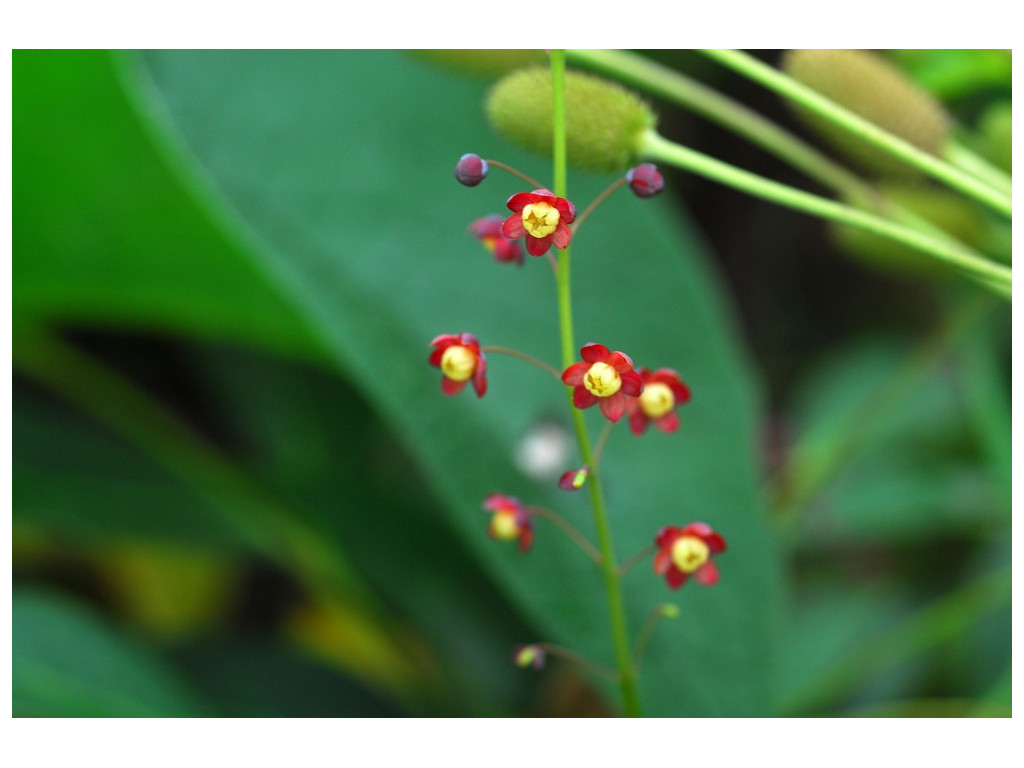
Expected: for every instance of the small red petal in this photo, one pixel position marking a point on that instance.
(561, 236)
(662, 561)
(594, 353)
(637, 422)
(583, 398)
(480, 380)
(573, 375)
(520, 200)
(620, 361)
(675, 577)
(715, 542)
(538, 246)
(697, 529)
(436, 355)
(451, 387)
(488, 226)
(668, 423)
(613, 407)
(525, 540)
(469, 340)
(707, 574)
(632, 384)
(513, 227)
(566, 210)
(444, 340)
(667, 536)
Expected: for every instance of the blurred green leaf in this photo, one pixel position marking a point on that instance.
(67, 663)
(110, 228)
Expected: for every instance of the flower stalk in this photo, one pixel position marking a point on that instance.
(609, 567)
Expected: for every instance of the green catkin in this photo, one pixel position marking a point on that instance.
(604, 122)
(488, 63)
(875, 90)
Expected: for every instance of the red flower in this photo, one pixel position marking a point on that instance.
(663, 391)
(460, 359)
(683, 552)
(488, 231)
(509, 520)
(606, 378)
(543, 218)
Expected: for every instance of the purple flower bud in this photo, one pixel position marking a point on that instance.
(471, 170)
(645, 180)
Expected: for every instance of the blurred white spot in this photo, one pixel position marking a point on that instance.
(545, 452)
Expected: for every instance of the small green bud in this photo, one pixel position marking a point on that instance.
(875, 90)
(669, 611)
(604, 122)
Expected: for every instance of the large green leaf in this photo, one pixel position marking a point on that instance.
(340, 164)
(68, 663)
(342, 217)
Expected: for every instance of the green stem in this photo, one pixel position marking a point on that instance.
(988, 273)
(967, 160)
(510, 352)
(810, 99)
(620, 636)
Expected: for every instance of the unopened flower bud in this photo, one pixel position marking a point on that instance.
(471, 169)
(573, 480)
(529, 656)
(669, 611)
(645, 180)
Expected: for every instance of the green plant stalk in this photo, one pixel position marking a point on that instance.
(810, 99)
(987, 273)
(679, 89)
(609, 565)
(967, 160)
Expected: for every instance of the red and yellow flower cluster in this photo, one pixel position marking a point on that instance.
(460, 359)
(509, 520)
(542, 218)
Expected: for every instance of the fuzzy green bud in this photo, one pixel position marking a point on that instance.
(488, 63)
(870, 87)
(604, 122)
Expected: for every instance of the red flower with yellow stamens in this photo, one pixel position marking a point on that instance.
(542, 218)
(509, 520)
(663, 392)
(460, 360)
(685, 552)
(606, 378)
(488, 231)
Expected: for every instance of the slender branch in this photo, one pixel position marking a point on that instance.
(602, 440)
(654, 618)
(597, 201)
(553, 262)
(582, 541)
(508, 168)
(810, 99)
(616, 609)
(967, 160)
(986, 272)
(561, 651)
(639, 557)
(495, 350)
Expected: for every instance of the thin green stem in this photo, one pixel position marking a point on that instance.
(597, 201)
(620, 635)
(602, 440)
(562, 652)
(986, 272)
(510, 352)
(636, 559)
(519, 174)
(582, 541)
(823, 107)
(643, 637)
(967, 160)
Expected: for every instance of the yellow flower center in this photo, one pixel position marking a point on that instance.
(489, 243)
(458, 363)
(602, 380)
(689, 553)
(656, 400)
(540, 219)
(504, 525)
